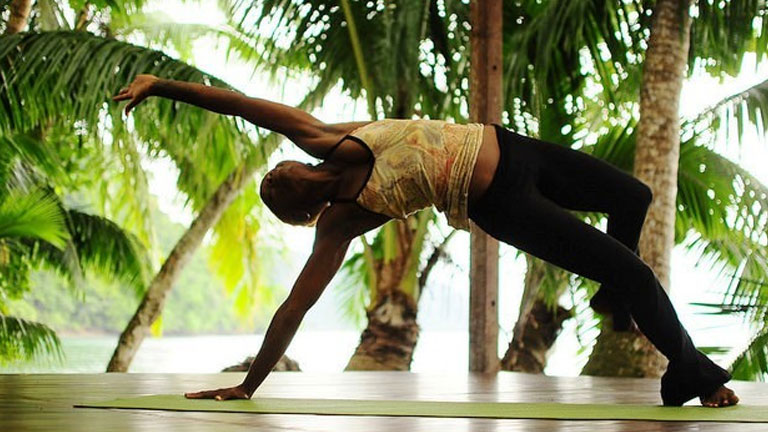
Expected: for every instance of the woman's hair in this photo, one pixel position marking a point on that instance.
(290, 197)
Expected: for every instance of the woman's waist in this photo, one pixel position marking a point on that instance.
(485, 165)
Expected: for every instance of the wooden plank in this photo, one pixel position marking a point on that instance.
(485, 107)
(44, 402)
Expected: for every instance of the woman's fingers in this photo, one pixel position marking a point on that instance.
(220, 394)
(122, 96)
(132, 104)
(201, 394)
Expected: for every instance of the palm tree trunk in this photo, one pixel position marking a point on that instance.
(154, 299)
(390, 337)
(528, 351)
(656, 163)
(388, 342)
(19, 16)
(537, 325)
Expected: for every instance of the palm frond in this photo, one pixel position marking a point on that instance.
(96, 245)
(721, 211)
(105, 248)
(722, 32)
(239, 258)
(752, 363)
(404, 40)
(35, 215)
(354, 290)
(70, 77)
(32, 152)
(722, 217)
(546, 46)
(750, 105)
(21, 339)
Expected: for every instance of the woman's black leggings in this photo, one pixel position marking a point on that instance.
(525, 206)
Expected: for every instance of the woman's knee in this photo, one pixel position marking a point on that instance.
(636, 199)
(642, 277)
(644, 194)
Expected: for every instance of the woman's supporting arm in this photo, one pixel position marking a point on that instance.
(338, 225)
(322, 265)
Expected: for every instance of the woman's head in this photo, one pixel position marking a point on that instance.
(291, 193)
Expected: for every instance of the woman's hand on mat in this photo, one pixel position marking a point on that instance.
(236, 392)
(137, 91)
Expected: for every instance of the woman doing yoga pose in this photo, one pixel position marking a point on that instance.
(517, 189)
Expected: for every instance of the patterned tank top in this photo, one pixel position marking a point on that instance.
(418, 163)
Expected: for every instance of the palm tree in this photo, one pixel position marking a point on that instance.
(217, 156)
(545, 50)
(547, 46)
(18, 15)
(658, 142)
(384, 63)
(37, 230)
(549, 35)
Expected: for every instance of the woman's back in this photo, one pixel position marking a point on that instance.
(418, 163)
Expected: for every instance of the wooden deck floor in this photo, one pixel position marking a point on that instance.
(44, 402)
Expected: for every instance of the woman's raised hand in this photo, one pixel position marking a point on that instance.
(137, 91)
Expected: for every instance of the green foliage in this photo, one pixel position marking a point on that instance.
(550, 48)
(746, 109)
(354, 289)
(105, 248)
(21, 339)
(240, 258)
(722, 32)
(35, 214)
(407, 47)
(69, 77)
(752, 363)
(199, 304)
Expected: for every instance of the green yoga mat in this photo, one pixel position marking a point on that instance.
(405, 408)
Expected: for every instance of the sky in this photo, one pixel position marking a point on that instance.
(445, 304)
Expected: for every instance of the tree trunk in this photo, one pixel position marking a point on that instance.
(19, 16)
(656, 163)
(537, 324)
(390, 338)
(485, 106)
(154, 299)
(528, 352)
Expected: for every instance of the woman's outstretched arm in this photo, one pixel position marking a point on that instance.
(309, 133)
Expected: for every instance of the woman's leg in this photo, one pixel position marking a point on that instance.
(577, 181)
(517, 210)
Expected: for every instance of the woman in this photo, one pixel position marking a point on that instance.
(515, 188)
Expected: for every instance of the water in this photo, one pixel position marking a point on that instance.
(315, 351)
(438, 351)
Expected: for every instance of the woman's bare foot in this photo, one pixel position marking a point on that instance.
(721, 397)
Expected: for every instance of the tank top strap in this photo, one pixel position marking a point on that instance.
(370, 170)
